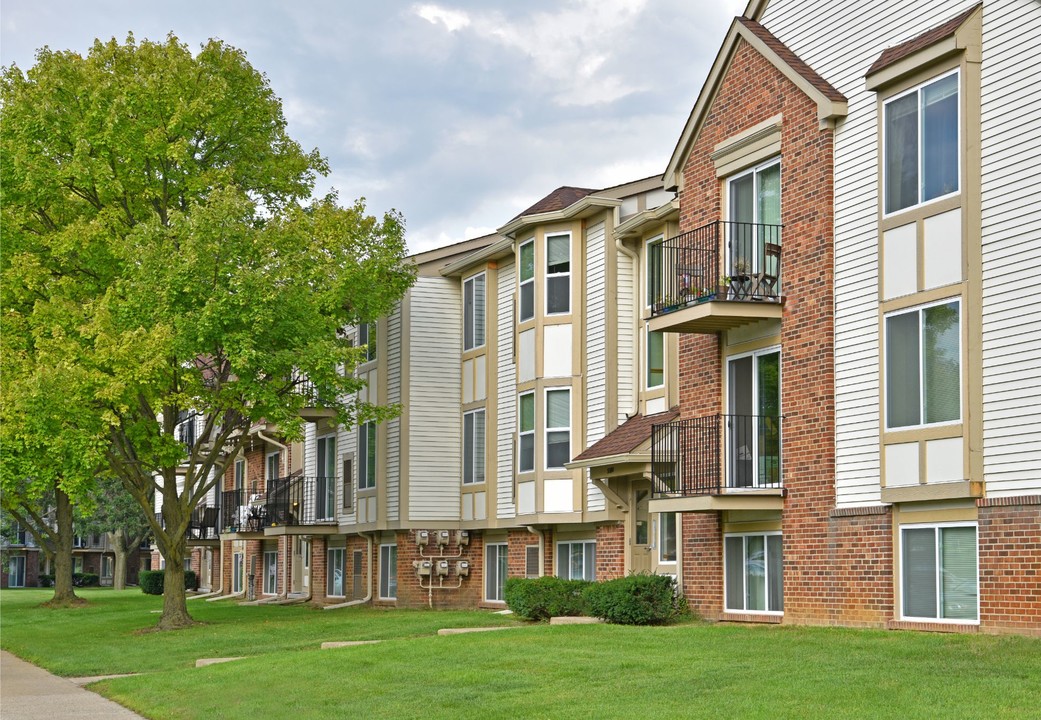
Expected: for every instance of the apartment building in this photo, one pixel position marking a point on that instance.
(21, 559)
(859, 430)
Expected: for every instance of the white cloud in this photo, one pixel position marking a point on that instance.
(434, 14)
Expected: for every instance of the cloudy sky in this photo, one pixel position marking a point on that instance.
(458, 113)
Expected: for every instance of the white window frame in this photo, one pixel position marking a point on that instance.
(238, 560)
(569, 544)
(269, 468)
(919, 309)
(270, 556)
(330, 563)
(492, 581)
(936, 527)
(528, 433)
(661, 537)
(658, 240)
(530, 281)
(477, 324)
(549, 275)
(744, 572)
(108, 566)
(365, 430)
(385, 590)
(367, 330)
(647, 359)
(239, 476)
(474, 465)
(916, 90)
(548, 429)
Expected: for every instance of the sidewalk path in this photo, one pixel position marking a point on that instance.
(29, 693)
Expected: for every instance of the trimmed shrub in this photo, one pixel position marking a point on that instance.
(636, 600)
(545, 597)
(85, 579)
(46, 580)
(151, 582)
(191, 580)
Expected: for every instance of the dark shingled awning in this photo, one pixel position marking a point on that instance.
(559, 199)
(628, 436)
(938, 33)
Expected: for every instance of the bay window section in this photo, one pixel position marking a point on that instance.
(939, 570)
(558, 274)
(754, 576)
(923, 366)
(558, 428)
(473, 312)
(473, 447)
(921, 144)
(526, 276)
(526, 434)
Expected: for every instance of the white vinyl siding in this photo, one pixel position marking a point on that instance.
(393, 374)
(625, 297)
(839, 41)
(506, 397)
(435, 330)
(1011, 145)
(596, 349)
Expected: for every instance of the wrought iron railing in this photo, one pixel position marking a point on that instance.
(301, 501)
(239, 514)
(204, 523)
(719, 261)
(714, 454)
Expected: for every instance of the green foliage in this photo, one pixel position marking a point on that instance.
(639, 599)
(151, 581)
(86, 579)
(46, 580)
(545, 597)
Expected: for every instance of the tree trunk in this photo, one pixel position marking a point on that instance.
(64, 594)
(175, 601)
(118, 541)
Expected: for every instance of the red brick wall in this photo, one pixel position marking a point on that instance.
(319, 562)
(610, 552)
(859, 589)
(32, 567)
(753, 91)
(519, 540)
(414, 592)
(1010, 564)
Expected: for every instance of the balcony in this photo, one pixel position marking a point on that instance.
(242, 513)
(203, 524)
(314, 409)
(301, 501)
(718, 277)
(718, 462)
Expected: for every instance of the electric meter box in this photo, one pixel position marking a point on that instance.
(422, 538)
(462, 537)
(423, 567)
(442, 567)
(462, 568)
(444, 537)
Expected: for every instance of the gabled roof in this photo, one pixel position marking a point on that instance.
(626, 437)
(924, 40)
(831, 104)
(559, 199)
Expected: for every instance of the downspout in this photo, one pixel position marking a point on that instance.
(368, 580)
(542, 547)
(637, 356)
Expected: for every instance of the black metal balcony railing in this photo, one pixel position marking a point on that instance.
(301, 501)
(713, 454)
(719, 261)
(203, 524)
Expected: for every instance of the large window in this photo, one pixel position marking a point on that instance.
(938, 565)
(923, 365)
(526, 277)
(558, 428)
(921, 144)
(667, 537)
(495, 571)
(576, 560)
(473, 312)
(754, 577)
(755, 214)
(270, 572)
(388, 572)
(16, 571)
(325, 482)
(526, 433)
(558, 274)
(335, 568)
(367, 337)
(366, 456)
(753, 425)
(473, 447)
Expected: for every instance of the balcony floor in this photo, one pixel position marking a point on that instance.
(737, 499)
(713, 316)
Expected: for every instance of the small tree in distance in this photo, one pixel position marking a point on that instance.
(160, 236)
(114, 512)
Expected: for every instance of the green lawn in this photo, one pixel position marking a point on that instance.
(687, 671)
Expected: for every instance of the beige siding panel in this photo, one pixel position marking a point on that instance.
(347, 444)
(596, 349)
(435, 338)
(393, 460)
(507, 394)
(1011, 214)
(626, 297)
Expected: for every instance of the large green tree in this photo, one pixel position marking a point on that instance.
(115, 513)
(160, 234)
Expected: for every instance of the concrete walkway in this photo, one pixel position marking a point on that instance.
(29, 693)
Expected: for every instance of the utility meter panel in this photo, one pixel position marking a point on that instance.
(444, 537)
(442, 567)
(462, 537)
(422, 538)
(462, 568)
(423, 567)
